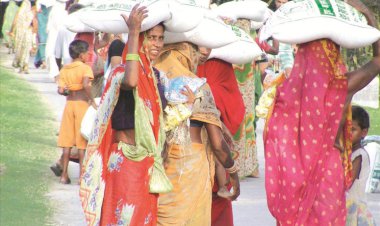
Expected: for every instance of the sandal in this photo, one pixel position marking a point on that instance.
(57, 170)
(68, 181)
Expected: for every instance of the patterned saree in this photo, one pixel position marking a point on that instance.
(190, 166)
(9, 16)
(120, 182)
(23, 37)
(305, 173)
(244, 140)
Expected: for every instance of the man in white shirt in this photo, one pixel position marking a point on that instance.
(64, 38)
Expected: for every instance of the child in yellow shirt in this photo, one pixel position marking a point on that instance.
(74, 83)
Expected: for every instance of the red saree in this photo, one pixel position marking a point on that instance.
(221, 209)
(304, 171)
(229, 101)
(120, 182)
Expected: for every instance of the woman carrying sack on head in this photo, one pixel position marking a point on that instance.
(123, 171)
(307, 171)
(189, 161)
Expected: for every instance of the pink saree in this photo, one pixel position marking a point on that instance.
(305, 175)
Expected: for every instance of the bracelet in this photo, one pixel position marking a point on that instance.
(132, 57)
(233, 169)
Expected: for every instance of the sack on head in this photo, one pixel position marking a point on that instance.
(105, 16)
(242, 51)
(185, 15)
(301, 21)
(255, 10)
(211, 32)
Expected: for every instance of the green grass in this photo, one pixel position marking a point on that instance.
(374, 115)
(27, 145)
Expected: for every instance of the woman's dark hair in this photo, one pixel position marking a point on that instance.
(160, 24)
(77, 47)
(360, 116)
(272, 5)
(75, 7)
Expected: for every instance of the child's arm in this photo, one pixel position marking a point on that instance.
(63, 91)
(62, 87)
(356, 167)
(87, 89)
(220, 173)
(223, 153)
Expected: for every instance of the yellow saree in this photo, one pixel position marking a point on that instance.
(190, 166)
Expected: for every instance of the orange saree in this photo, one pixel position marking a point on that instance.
(305, 175)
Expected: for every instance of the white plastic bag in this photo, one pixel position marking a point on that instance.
(174, 86)
(372, 146)
(255, 10)
(88, 121)
(185, 15)
(105, 16)
(301, 21)
(211, 32)
(242, 51)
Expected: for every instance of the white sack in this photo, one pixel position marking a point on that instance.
(243, 51)
(88, 121)
(255, 10)
(302, 21)
(88, 2)
(255, 25)
(185, 15)
(106, 16)
(211, 32)
(74, 24)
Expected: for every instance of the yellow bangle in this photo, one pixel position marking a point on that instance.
(132, 57)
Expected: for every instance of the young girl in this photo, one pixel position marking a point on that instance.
(357, 212)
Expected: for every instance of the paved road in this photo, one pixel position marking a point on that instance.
(250, 208)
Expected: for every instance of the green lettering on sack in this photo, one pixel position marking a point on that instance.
(343, 14)
(325, 7)
(376, 174)
(118, 6)
(236, 30)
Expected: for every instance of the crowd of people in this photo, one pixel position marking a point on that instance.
(136, 171)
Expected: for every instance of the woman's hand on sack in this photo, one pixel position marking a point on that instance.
(189, 94)
(234, 177)
(135, 18)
